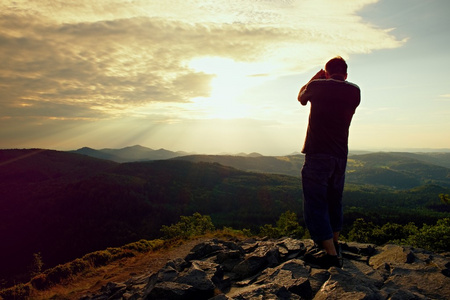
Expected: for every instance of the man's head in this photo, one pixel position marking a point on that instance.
(336, 68)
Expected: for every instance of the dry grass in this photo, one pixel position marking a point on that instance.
(92, 280)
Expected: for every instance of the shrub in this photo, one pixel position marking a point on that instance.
(188, 227)
(269, 231)
(230, 232)
(98, 258)
(144, 245)
(78, 265)
(361, 231)
(430, 237)
(433, 237)
(58, 273)
(52, 276)
(287, 225)
(40, 282)
(393, 233)
(122, 254)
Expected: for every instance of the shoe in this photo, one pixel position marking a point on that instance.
(338, 248)
(324, 260)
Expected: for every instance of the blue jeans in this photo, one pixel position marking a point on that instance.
(323, 178)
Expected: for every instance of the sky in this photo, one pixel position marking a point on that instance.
(218, 76)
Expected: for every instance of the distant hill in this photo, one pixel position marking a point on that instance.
(287, 165)
(395, 170)
(399, 170)
(129, 154)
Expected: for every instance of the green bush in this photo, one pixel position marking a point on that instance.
(122, 254)
(52, 276)
(40, 282)
(229, 231)
(78, 265)
(430, 237)
(58, 273)
(393, 233)
(98, 258)
(144, 245)
(269, 231)
(188, 227)
(287, 225)
(433, 237)
(362, 231)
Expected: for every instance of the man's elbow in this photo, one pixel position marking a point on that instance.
(301, 100)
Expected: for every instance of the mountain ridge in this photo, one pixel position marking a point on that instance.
(129, 154)
(398, 170)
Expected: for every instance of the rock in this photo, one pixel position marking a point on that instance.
(317, 278)
(392, 255)
(344, 285)
(266, 254)
(293, 275)
(291, 248)
(274, 269)
(172, 290)
(267, 291)
(204, 250)
(357, 248)
(116, 290)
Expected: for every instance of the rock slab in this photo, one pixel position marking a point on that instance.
(275, 269)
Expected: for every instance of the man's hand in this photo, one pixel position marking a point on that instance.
(319, 75)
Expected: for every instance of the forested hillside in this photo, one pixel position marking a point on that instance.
(391, 169)
(64, 205)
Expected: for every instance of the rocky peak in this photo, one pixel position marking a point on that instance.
(276, 269)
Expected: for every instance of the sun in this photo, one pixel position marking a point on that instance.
(232, 79)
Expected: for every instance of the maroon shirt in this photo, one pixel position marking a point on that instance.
(333, 103)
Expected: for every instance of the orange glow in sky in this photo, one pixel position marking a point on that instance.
(218, 76)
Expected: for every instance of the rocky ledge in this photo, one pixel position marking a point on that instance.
(275, 269)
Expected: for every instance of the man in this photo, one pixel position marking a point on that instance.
(333, 102)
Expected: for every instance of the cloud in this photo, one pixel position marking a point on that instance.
(84, 59)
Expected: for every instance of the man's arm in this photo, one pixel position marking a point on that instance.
(303, 100)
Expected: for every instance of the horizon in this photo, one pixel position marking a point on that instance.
(351, 151)
(218, 77)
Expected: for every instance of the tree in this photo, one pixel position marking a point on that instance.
(36, 265)
(189, 226)
(362, 231)
(433, 237)
(393, 233)
(287, 225)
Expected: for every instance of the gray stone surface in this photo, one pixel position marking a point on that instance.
(275, 269)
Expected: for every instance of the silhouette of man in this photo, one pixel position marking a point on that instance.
(333, 101)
